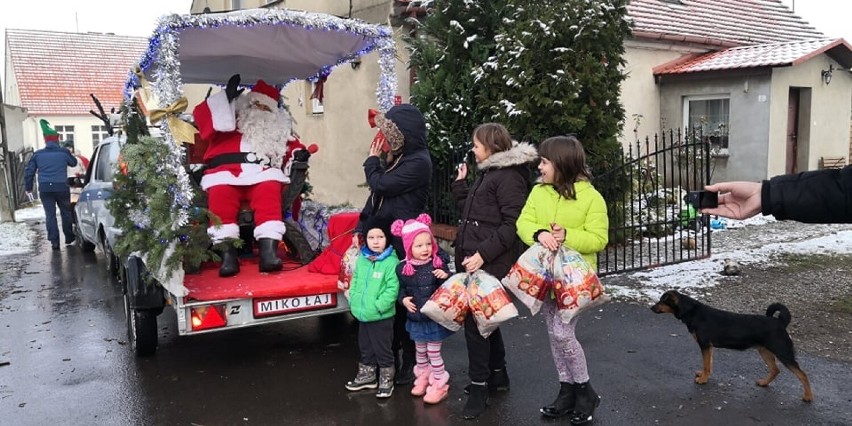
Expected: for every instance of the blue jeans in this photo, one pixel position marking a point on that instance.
(49, 201)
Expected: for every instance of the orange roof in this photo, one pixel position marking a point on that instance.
(718, 22)
(761, 55)
(56, 71)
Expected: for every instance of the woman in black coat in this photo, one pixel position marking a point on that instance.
(398, 190)
(487, 240)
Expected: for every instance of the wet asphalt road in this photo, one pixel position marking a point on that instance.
(62, 331)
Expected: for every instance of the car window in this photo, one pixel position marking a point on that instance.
(103, 168)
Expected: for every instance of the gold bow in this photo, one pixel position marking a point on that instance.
(181, 131)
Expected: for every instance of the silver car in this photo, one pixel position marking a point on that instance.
(94, 220)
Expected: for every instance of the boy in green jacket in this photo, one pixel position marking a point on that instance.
(372, 299)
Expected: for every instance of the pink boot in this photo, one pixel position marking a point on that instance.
(421, 381)
(438, 389)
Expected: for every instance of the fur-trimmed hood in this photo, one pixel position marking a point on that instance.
(519, 154)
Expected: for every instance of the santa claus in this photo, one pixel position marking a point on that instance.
(250, 140)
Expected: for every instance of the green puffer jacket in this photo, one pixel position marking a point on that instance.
(584, 219)
(375, 286)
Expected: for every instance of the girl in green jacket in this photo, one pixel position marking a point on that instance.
(566, 210)
(372, 299)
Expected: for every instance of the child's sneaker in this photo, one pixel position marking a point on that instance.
(438, 389)
(421, 382)
(365, 379)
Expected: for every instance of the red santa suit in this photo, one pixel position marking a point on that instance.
(237, 171)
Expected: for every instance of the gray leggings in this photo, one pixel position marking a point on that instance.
(568, 355)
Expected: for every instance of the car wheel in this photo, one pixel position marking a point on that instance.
(111, 258)
(141, 323)
(82, 243)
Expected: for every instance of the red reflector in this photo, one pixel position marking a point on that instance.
(210, 316)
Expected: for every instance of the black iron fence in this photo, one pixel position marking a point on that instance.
(651, 224)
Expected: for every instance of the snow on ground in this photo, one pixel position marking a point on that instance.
(16, 237)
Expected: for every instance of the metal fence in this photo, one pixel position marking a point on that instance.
(651, 223)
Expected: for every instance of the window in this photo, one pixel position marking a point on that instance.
(316, 89)
(99, 133)
(66, 134)
(708, 116)
(103, 167)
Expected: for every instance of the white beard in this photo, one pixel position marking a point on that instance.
(266, 132)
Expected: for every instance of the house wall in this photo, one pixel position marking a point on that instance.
(15, 117)
(749, 120)
(639, 92)
(82, 131)
(828, 111)
(11, 94)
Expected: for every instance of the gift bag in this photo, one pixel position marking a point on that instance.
(576, 285)
(529, 279)
(490, 304)
(347, 268)
(449, 304)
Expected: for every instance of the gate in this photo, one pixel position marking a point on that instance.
(650, 222)
(17, 165)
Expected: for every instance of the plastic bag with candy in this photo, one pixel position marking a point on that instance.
(529, 279)
(449, 304)
(575, 284)
(490, 304)
(347, 269)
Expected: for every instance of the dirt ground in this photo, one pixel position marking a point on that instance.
(816, 288)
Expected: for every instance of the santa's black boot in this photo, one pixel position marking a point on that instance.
(269, 261)
(230, 261)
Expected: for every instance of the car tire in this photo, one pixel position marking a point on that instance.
(111, 258)
(84, 245)
(141, 323)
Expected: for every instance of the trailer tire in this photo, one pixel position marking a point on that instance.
(141, 322)
(297, 242)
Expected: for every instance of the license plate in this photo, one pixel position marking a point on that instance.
(288, 305)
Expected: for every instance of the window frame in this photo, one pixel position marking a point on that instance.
(99, 134)
(64, 132)
(718, 143)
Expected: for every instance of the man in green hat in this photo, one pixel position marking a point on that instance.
(51, 164)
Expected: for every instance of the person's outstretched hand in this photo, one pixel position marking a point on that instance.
(462, 172)
(231, 90)
(737, 200)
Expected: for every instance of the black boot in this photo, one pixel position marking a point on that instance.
(230, 262)
(405, 372)
(497, 381)
(385, 382)
(477, 401)
(564, 402)
(269, 261)
(587, 400)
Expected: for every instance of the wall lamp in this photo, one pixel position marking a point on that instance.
(826, 74)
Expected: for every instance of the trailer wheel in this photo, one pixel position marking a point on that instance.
(294, 239)
(141, 323)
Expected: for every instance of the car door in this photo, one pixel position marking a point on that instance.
(98, 180)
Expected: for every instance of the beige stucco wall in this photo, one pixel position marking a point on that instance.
(829, 113)
(82, 131)
(640, 93)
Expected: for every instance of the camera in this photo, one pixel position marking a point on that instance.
(703, 199)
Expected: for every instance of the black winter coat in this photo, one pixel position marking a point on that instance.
(490, 207)
(421, 285)
(821, 196)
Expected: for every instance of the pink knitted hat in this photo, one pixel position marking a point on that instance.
(410, 229)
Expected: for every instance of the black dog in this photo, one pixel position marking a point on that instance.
(714, 328)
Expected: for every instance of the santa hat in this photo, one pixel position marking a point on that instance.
(50, 135)
(265, 94)
(409, 230)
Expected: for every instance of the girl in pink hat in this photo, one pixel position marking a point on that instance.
(422, 271)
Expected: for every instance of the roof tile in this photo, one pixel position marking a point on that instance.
(56, 71)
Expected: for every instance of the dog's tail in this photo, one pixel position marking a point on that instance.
(784, 313)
